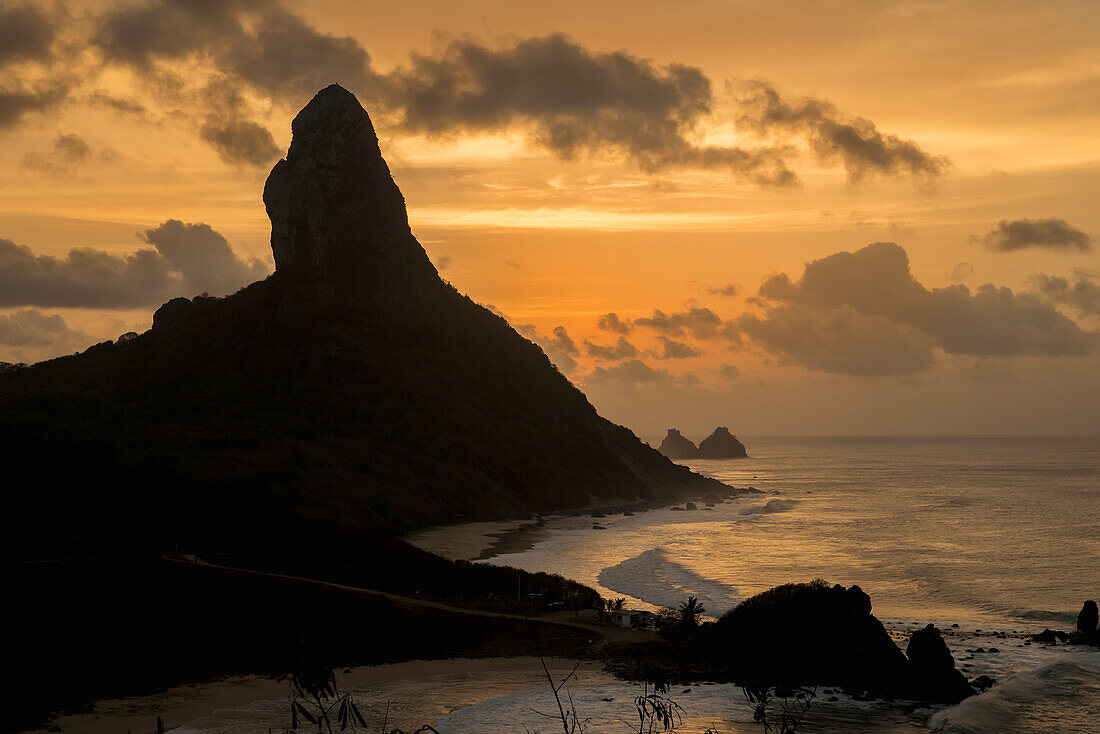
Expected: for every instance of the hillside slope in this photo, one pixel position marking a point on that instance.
(351, 391)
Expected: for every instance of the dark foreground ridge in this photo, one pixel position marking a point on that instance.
(351, 391)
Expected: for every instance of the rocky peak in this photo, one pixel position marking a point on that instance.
(339, 228)
(676, 446)
(721, 445)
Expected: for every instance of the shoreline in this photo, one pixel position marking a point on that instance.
(185, 705)
(481, 540)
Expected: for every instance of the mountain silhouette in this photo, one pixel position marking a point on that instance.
(352, 391)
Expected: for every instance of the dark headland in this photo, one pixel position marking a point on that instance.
(224, 493)
(295, 427)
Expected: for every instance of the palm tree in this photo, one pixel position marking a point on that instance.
(690, 610)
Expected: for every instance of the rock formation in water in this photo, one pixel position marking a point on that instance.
(676, 446)
(932, 669)
(352, 391)
(813, 634)
(1088, 618)
(1087, 632)
(721, 445)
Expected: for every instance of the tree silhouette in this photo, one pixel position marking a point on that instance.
(690, 610)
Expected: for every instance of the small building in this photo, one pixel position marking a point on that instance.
(634, 619)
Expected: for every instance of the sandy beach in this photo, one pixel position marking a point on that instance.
(416, 693)
(477, 541)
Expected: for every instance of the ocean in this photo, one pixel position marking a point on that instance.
(998, 536)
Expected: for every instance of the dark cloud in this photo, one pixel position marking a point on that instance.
(671, 349)
(729, 372)
(1046, 234)
(27, 37)
(633, 371)
(193, 55)
(203, 257)
(188, 259)
(442, 262)
(876, 282)
(834, 136)
(84, 278)
(622, 349)
(30, 327)
(252, 45)
(700, 322)
(729, 289)
(65, 155)
(1083, 294)
(961, 272)
(240, 142)
(513, 265)
(126, 105)
(17, 100)
(26, 33)
(840, 340)
(611, 322)
(258, 43)
(575, 101)
(559, 346)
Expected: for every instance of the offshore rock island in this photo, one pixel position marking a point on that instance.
(721, 444)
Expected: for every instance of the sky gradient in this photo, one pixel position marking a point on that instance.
(787, 217)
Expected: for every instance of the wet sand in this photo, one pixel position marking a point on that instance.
(477, 541)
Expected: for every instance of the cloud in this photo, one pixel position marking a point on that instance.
(701, 322)
(19, 100)
(255, 42)
(840, 340)
(30, 80)
(203, 257)
(559, 346)
(30, 327)
(1083, 295)
(671, 349)
(729, 289)
(67, 153)
(240, 142)
(875, 282)
(443, 262)
(513, 265)
(961, 272)
(188, 258)
(574, 101)
(622, 349)
(633, 371)
(207, 55)
(84, 278)
(611, 322)
(26, 33)
(729, 372)
(1045, 234)
(834, 136)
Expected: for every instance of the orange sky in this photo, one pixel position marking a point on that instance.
(927, 124)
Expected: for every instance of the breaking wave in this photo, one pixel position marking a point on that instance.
(770, 506)
(655, 578)
(1060, 696)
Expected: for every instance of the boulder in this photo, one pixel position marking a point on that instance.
(721, 445)
(676, 446)
(933, 676)
(170, 311)
(815, 634)
(1088, 618)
